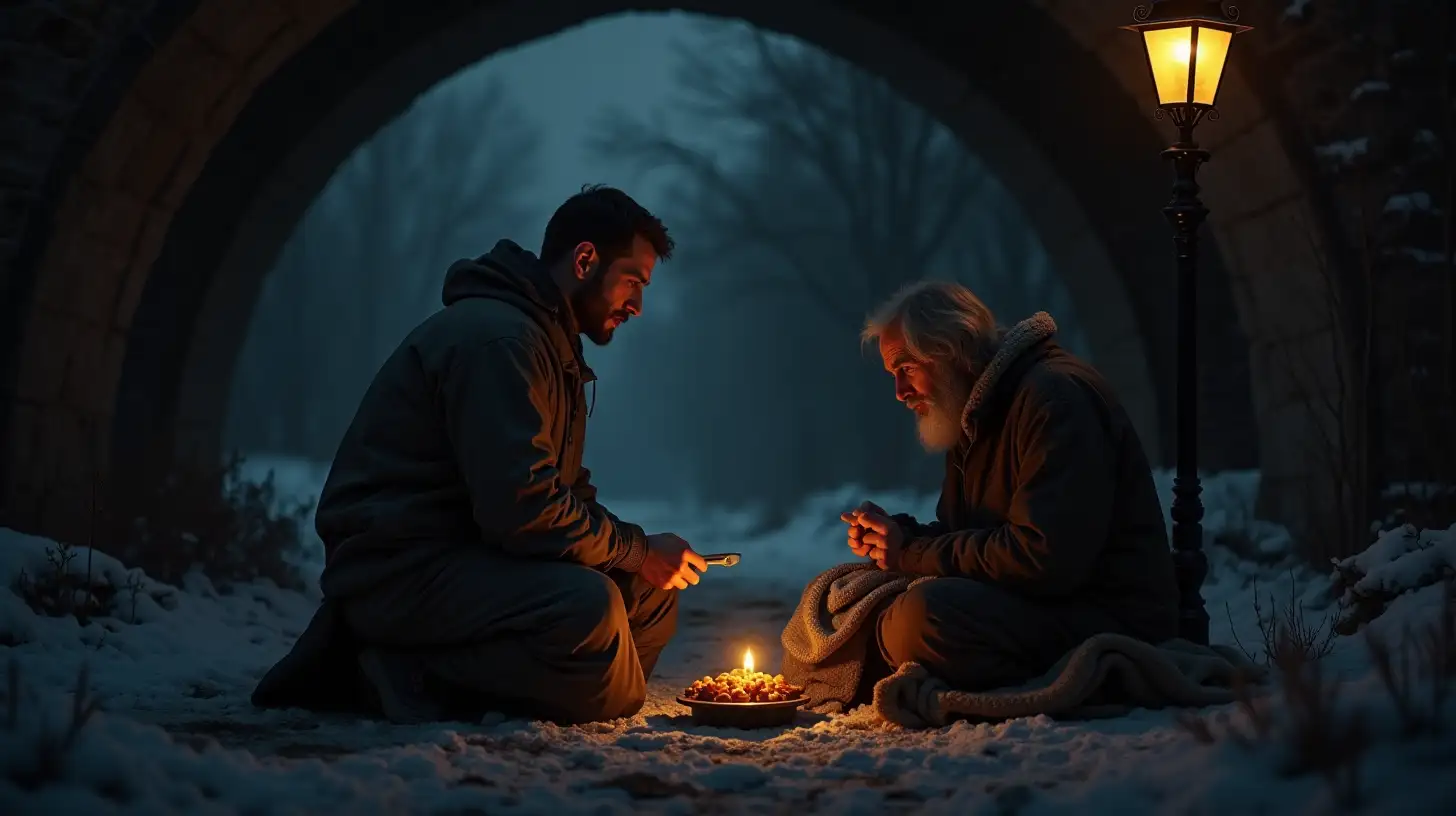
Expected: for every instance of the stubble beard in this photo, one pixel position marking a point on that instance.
(940, 426)
(592, 315)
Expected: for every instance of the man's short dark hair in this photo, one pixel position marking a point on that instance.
(608, 218)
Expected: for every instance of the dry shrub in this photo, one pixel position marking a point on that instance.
(1287, 629)
(212, 519)
(189, 515)
(1305, 718)
(50, 744)
(58, 590)
(1314, 734)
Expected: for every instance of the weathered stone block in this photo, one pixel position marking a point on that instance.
(189, 166)
(1277, 271)
(85, 276)
(1249, 174)
(131, 129)
(153, 233)
(313, 15)
(261, 63)
(239, 28)
(93, 368)
(1302, 369)
(1091, 24)
(47, 352)
(1299, 460)
(114, 215)
(152, 163)
(184, 78)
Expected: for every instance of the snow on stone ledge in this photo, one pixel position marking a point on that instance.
(1345, 152)
(1402, 560)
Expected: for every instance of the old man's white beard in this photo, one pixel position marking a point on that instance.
(940, 427)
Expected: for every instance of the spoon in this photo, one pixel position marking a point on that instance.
(722, 559)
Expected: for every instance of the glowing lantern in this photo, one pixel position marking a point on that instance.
(1187, 44)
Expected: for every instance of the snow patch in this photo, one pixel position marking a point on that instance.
(1295, 10)
(1370, 87)
(1419, 201)
(1344, 153)
(177, 733)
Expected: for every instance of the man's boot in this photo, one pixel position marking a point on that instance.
(399, 681)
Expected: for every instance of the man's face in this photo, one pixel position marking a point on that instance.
(936, 395)
(612, 296)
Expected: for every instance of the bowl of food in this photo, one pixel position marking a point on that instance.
(743, 698)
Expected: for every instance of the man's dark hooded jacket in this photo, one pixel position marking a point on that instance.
(470, 435)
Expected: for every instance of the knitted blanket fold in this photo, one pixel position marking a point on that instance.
(1107, 675)
(825, 639)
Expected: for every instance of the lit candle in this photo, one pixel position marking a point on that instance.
(748, 660)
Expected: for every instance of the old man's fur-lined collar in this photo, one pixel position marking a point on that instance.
(1017, 341)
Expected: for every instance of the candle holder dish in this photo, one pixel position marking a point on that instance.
(743, 715)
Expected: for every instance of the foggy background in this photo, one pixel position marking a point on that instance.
(801, 192)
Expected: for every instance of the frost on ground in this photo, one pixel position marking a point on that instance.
(171, 669)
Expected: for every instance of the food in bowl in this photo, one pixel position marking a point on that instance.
(742, 686)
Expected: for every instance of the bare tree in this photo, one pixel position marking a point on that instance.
(810, 190)
(836, 179)
(1379, 85)
(427, 187)
(367, 260)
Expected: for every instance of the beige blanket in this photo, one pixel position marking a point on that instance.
(1107, 675)
(826, 637)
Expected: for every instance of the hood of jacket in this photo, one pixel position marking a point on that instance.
(515, 275)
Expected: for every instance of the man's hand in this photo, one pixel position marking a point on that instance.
(857, 544)
(881, 538)
(671, 562)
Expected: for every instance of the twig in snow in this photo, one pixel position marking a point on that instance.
(1287, 629)
(51, 746)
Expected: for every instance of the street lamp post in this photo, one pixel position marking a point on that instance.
(1187, 44)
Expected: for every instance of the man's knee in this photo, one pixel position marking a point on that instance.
(588, 608)
(913, 627)
(903, 624)
(656, 614)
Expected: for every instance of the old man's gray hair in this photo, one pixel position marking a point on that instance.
(941, 322)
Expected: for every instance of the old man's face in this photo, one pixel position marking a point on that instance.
(936, 394)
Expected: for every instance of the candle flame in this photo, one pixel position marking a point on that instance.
(748, 660)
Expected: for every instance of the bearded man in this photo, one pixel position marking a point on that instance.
(469, 565)
(1049, 529)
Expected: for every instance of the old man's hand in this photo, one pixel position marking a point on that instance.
(856, 531)
(883, 537)
(671, 562)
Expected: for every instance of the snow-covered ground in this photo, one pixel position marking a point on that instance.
(176, 734)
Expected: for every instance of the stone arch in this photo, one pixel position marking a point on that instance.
(214, 123)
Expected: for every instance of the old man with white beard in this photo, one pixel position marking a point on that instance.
(1048, 529)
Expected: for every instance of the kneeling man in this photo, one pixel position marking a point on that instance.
(1049, 529)
(468, 560)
